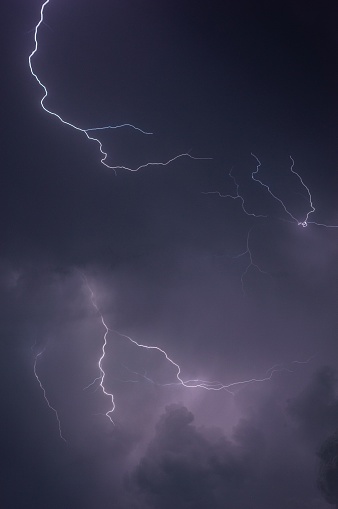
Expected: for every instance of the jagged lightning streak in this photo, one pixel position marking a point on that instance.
(37, 356)
(281, 366)
(189, 384)
(301, 222)
(104, 155)
(218, 386)
(102, 374)
(247, 251)
(251, 262)
(254, 175)
(237, 196)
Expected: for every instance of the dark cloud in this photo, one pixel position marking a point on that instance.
(266, 458)
(185, 469)
(328, 469)
(187, 466)
(269, 456)
(166, 262)
(316, 409)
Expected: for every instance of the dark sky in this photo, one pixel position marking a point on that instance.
(217, 80)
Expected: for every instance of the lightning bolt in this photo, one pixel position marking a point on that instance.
(254, 175)
(188, 384)
(283, 368)
(300, 222)
(102, 373)
(251, 263)
(37, 356)
(304, 222)
(236, 196)
(240, 197)
(103, 154)
(179, 380)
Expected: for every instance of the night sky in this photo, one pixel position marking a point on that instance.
(163, 257)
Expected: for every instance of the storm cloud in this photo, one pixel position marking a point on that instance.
(266, 460)
(151, 258)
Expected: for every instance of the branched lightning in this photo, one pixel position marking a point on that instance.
(37, 356)
(100, 380)
(304, 222)
(301, 222)
(189, 384)
(251, 262)
(104, 155)
(284, 368)
(237, 196)
(102, 374)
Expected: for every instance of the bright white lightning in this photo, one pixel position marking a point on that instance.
(194, 383)
(104, 155)
(302, 222)
(189, 384)
(102, 374)
(45, 395)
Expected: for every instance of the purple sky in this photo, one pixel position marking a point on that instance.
(219, 81)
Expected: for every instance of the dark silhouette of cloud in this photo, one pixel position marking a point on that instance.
(315, 409)
(268, 457)
(187, 466)
(218, 79)
(328, 469)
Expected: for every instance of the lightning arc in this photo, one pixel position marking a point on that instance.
(251, 262)
(179, 381)
(254, 175)
(102, 375)
(37, 356)
(189, 384)
(247, 251)
(237, 196)
(104, 155)
(303, 222)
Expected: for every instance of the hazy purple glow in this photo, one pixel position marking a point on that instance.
(187, 295)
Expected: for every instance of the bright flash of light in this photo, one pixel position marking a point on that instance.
(188, 384)
(37, 356)
(103, 154)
